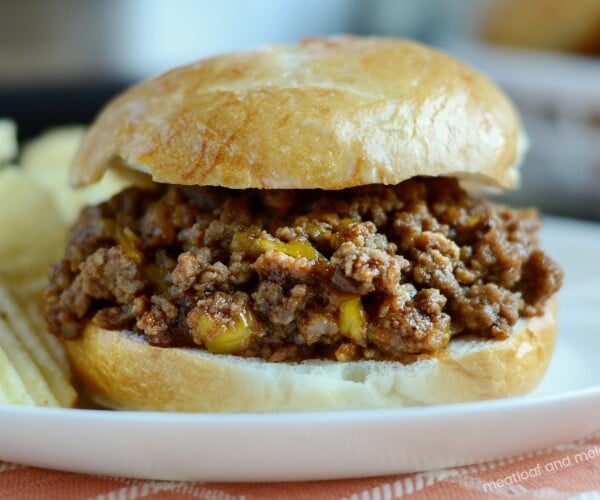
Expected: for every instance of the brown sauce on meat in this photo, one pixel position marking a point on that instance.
(373, 272)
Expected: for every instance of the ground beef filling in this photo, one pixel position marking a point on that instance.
(372, 272)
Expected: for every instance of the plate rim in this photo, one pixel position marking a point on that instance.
(401, 413)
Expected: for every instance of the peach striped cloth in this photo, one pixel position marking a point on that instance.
(567, 471)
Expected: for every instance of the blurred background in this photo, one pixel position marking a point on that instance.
(61, 60)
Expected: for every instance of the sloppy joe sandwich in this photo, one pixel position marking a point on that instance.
(310, 238)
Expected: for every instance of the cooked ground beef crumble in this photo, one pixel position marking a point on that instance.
(375, 272)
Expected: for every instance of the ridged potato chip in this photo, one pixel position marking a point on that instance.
(29, 373)
(12, 389)
(33, 310)
(30, 341)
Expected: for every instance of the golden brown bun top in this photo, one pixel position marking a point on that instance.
(327, 113)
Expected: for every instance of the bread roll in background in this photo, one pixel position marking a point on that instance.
(559, 25)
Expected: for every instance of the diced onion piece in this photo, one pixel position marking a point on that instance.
(222, 338)
(352, 320)
(244, 242)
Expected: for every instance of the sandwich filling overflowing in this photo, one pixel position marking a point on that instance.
(374, 272)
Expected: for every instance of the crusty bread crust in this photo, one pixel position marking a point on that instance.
(327, 113)
(120, 371)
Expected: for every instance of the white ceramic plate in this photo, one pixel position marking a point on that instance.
(324, 445)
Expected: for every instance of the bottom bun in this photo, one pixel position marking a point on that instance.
(119, 370)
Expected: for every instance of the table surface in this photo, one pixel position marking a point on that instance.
(570, 470)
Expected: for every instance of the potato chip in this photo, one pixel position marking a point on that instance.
(12, 390)
(32, 232)
(30, 374)
(33, 310)
(47, 159)
(8, 140)
(30, 338)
